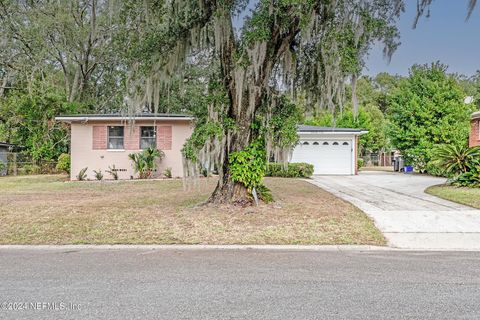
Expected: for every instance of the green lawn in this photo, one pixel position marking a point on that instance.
(49, 210)
(463, 195)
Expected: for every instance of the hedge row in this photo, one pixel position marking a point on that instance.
(292, 170)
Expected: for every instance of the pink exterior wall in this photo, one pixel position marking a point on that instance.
(92, 153)
(474, 133)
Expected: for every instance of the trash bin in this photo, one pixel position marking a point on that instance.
(408, 169)
(396, 164)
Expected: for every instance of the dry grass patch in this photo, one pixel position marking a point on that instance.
(462, 195)
(48, 210)
(377, 168)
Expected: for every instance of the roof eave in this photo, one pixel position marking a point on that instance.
(359, 132)
(86, 119)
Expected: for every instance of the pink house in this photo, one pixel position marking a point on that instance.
(102, 141)
(475, 130)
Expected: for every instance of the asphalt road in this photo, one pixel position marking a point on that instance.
(143, 284)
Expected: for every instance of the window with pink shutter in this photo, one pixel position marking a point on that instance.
(116, 137)
(148, 137)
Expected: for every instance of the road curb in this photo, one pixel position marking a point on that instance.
(201, 247)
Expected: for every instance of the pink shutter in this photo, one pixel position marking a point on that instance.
(99, 137)
(164, 137)
(132, 138)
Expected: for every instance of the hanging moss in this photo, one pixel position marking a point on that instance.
(284, 47)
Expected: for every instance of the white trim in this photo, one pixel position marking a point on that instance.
(114, 150)
(86, 119)
(338, 133)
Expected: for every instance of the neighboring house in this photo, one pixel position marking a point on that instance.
(330, 150)
(4, 150)
(475, 130)
(102, 141)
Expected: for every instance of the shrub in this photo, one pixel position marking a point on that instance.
(168, 172)
(248, 166)
(264, 193)
(144, 162)
(433, 170)
(455, 160)
(82, 175)
(292, 170)
(98, 174)
(63, 163)
(113, 172)
(471, 178)
(360, 163)
(30, 169)
(468, 179)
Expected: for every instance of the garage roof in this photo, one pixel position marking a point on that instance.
(304, 128)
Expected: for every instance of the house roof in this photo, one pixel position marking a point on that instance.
(476, 115)
(317, 129)
(118, 116)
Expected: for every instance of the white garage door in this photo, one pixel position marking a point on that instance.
(327, 156)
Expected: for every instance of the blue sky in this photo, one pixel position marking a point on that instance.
(445, 36)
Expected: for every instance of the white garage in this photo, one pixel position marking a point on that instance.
(331, 150)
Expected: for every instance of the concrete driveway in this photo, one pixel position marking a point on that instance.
(407, 216)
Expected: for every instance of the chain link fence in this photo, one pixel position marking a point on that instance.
(381, 159)
(12, 163)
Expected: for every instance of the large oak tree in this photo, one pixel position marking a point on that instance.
(281, 47)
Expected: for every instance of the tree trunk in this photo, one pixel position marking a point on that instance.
(262, 57)
(227, 190)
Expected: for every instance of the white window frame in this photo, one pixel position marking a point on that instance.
(115, 137)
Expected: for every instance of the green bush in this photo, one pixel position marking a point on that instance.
(63, 163)
(455, 159)
(360, 163)
(30, 169)
(82, 175)
(145, 162)
(113, 172)
(98, 174)
(248, 166)
(168, 172)
(264, 193)
(470, 179)
(291, 170)
(433, 170)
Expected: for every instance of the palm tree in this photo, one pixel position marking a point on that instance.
(456, 159)
(145, 161)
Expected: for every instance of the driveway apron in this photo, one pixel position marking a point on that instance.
(408, 217)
